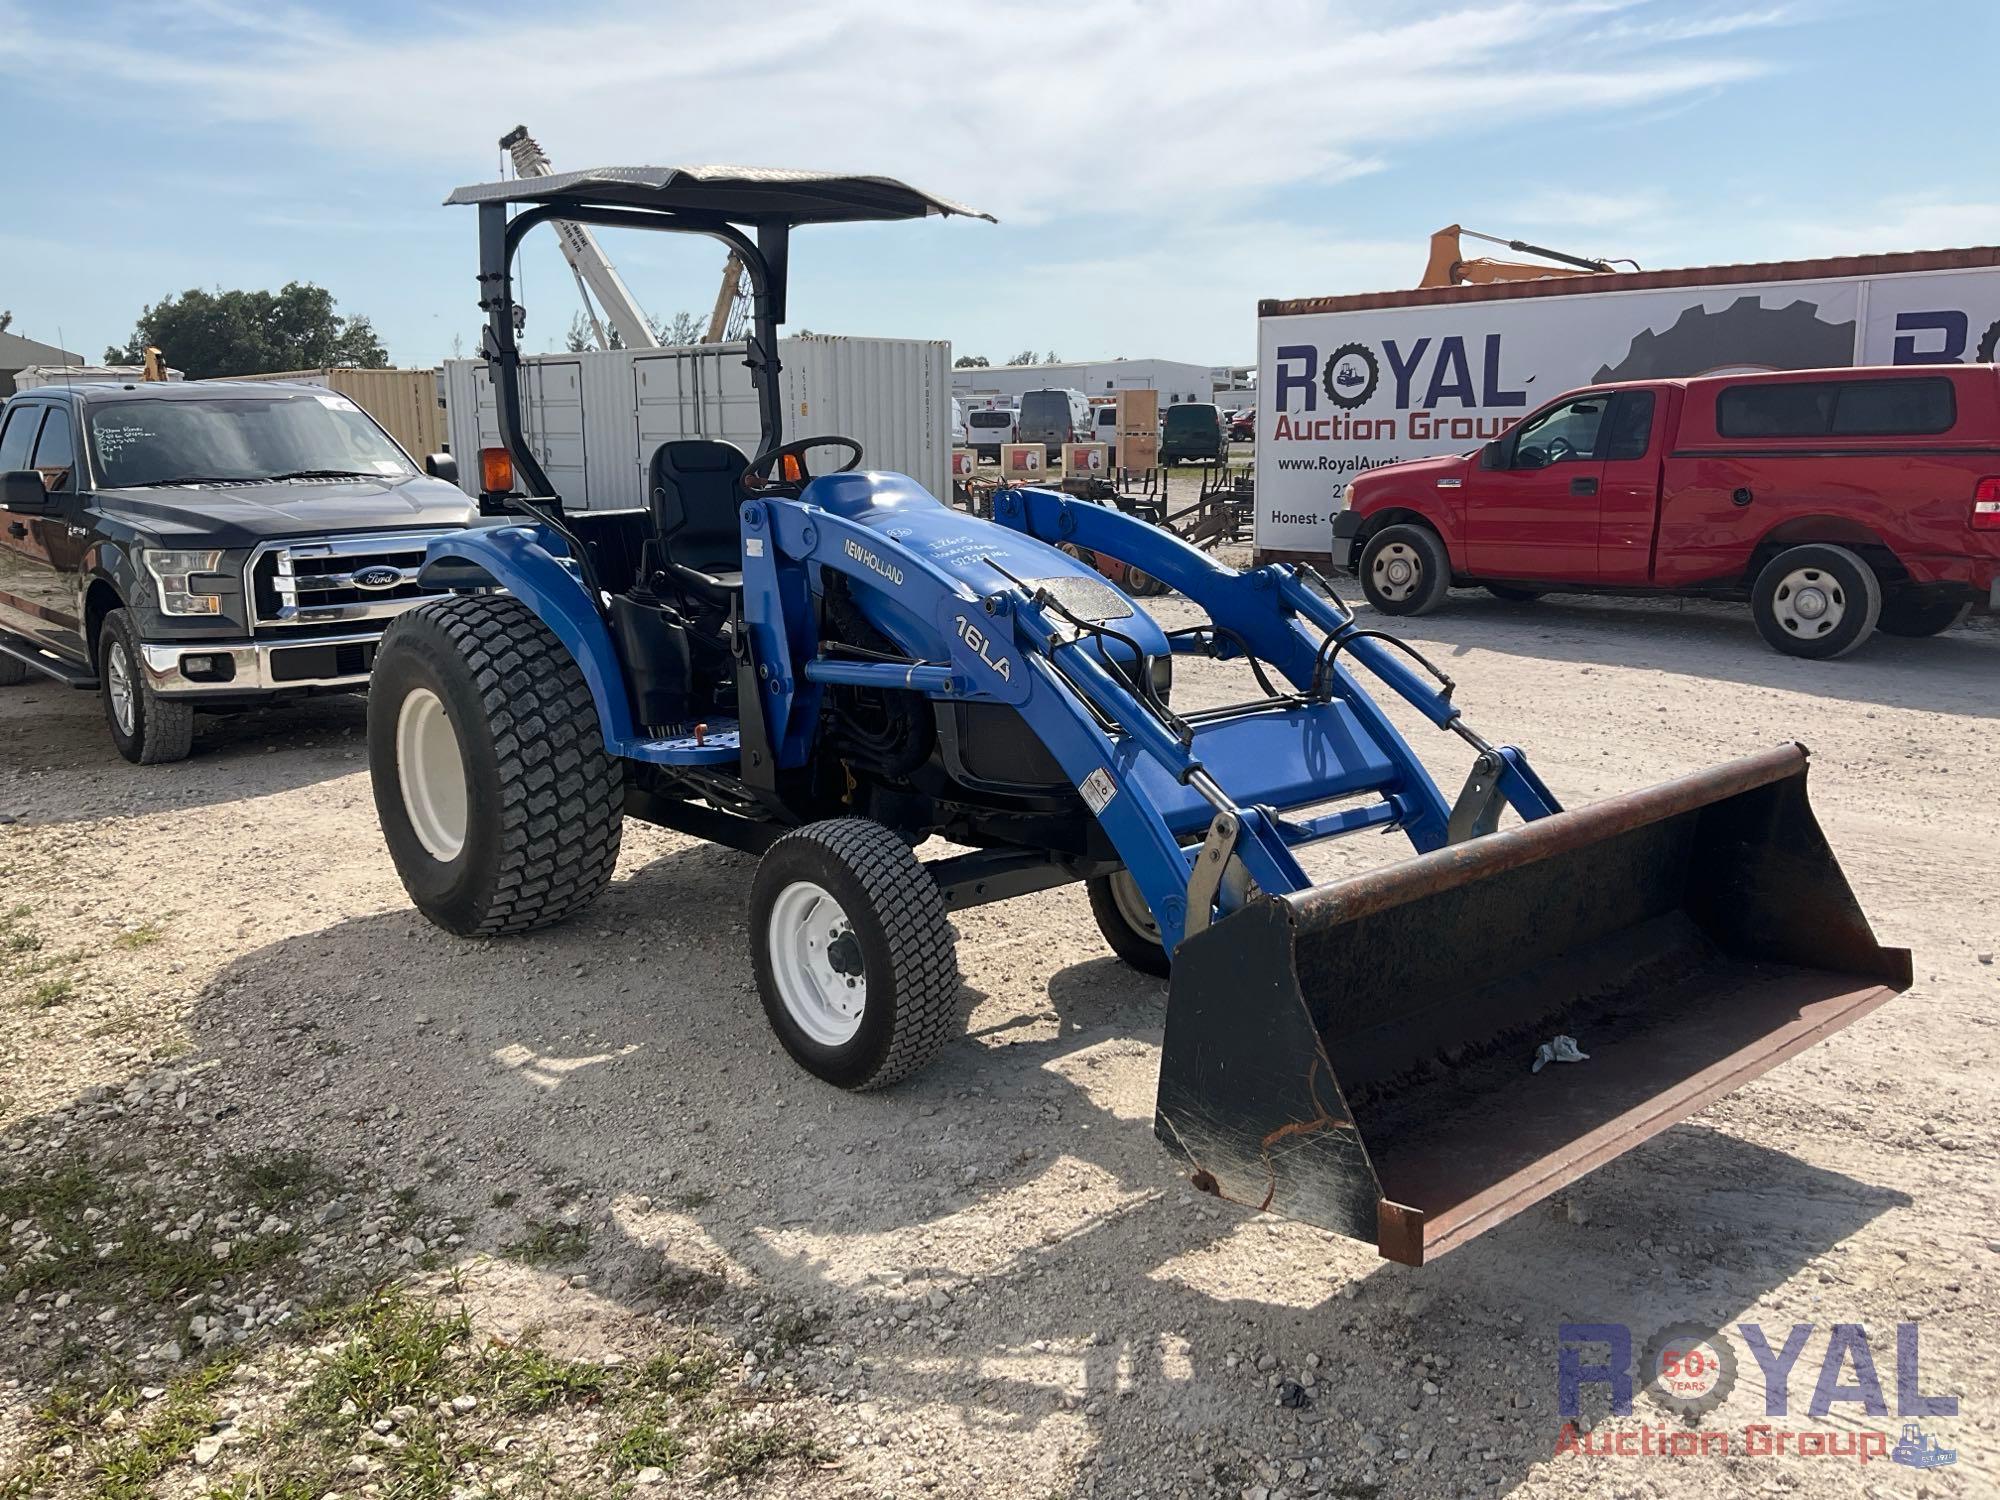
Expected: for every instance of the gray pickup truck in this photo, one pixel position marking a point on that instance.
(205, 545)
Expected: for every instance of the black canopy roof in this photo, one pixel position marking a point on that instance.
(742, 195)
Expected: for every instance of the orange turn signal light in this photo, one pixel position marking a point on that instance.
(496, 471)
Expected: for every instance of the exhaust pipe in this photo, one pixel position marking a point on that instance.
(1357, 1055)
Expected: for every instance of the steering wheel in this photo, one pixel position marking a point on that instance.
(1559, 449)
(758, 478)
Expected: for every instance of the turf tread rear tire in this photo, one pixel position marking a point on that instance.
(899, 913)
(559, 795)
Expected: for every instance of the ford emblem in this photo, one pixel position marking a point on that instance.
(381, 576)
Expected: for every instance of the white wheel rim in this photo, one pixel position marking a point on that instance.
(1131, 904)
(816, 963)
(432, 774)
(118, 686)
(1397, 570)
(1809, 603)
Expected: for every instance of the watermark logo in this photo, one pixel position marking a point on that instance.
(1688, 1371)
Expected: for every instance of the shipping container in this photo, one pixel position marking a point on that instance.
(409, 404)
(1351, 383)
(30, 376)
(594, 419)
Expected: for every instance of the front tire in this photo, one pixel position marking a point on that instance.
(854, 954)
(12, 671)
(1405, 570)
(1816, 601)
(147, 729)
(1914, 616)
(500, 805)
(1127, 922)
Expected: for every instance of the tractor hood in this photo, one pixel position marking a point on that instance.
(985, 557)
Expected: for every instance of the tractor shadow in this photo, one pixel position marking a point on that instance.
(1954, 673)
(61, 767)
(625, 1058)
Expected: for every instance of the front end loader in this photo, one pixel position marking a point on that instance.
(828, 670)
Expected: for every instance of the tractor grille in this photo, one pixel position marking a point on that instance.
(350, 578)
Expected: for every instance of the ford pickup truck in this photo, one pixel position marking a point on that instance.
(185, 546)
(1837, 502)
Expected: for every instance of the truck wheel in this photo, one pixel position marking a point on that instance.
(854, 955)
(1816, 601)
(147, 729)
(1405, 570)
(1127, 922)
(500, 805)
(12, 670)
(1912, 614)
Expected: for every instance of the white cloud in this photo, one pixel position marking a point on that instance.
(1122, 105)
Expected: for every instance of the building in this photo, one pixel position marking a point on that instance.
(17, 353)
(1235, 386)
(1175, 380)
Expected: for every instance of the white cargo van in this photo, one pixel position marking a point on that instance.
(988, 428)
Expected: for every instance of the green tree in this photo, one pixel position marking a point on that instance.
(970, 362)
(1051, 358)
(1025, 357)
(216, 333)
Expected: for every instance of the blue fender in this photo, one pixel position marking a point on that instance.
(533, 564)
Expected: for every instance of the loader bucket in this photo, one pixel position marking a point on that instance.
(1358, 1055)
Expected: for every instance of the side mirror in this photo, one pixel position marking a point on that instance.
(1492, 455)
(442, 466)
(22, 491)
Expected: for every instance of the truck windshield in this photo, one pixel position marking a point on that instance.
(237, 440)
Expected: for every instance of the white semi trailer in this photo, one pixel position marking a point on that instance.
(595, 419)
(1350, 383)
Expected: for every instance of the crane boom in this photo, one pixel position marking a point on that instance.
(1448, 266)
(586, 258)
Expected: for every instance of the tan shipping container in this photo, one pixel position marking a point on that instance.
(408, 403)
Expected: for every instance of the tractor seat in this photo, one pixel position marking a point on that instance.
(695, 488)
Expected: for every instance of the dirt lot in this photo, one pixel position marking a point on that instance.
(299, 1196)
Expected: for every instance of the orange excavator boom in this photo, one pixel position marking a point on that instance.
(1449, 267)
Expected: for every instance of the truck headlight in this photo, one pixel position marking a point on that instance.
(182, 590)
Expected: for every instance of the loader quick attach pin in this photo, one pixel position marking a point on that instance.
(1205, 883)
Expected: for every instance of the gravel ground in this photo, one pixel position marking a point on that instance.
(269, 1137)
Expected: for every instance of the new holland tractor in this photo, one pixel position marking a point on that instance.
(826, 667)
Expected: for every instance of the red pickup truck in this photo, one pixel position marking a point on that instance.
(1838, 502)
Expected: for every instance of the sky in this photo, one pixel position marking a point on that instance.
(1156, 167)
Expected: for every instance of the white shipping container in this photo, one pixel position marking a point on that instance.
(1347, 384)
(31, 376)
(595, 419)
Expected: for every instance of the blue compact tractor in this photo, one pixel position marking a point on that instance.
(824, 666)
